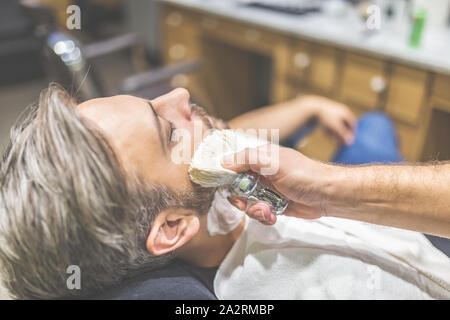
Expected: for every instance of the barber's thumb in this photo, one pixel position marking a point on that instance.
(263, 160)
(243, 161)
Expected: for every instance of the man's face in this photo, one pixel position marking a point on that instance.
(140, 133)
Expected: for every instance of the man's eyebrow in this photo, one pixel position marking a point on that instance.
(159, 127)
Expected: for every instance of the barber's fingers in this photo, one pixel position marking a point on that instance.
(263, 212)
(260, 211)
(250, 159)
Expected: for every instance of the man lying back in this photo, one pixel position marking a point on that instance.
(94, 185)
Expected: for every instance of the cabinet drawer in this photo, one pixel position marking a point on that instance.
(179, 49)
(410, 141)
(299, 61)
(406, 94)
(363, 81)
(242, 35)
(180, 36)
(323, 69)
(441, 87)
(437, 146)
(178, 20)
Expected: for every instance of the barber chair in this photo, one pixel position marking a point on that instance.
(69, 62)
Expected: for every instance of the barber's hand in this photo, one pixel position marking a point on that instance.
(335, 117)
(298, 179)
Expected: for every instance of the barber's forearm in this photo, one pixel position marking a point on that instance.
(287, 117)
(410, 197)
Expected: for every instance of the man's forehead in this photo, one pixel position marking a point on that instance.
(117, 108)
(114, 102)
(119, 115)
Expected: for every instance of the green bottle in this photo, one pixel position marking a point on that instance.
(419, 20)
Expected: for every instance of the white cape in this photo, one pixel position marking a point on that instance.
(331, 258)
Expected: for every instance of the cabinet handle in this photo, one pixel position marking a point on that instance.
(302, 60)
(177, 51)
(174, 19)
(378, 84)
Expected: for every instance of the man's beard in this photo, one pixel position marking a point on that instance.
(200, 199)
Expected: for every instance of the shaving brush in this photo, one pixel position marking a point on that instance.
(207, 171)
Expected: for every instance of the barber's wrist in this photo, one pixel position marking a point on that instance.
(352, 191)
(337, 190)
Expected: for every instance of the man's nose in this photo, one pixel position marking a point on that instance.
(174, 105)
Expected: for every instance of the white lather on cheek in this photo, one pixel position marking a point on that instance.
(206, 168)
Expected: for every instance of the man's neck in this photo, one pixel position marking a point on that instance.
(209, 251)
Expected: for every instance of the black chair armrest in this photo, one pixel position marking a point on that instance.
(115, 44)
(155, 76)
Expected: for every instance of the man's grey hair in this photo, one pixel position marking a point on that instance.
(64, 200)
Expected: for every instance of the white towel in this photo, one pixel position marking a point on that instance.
(331, 258)
(222, 217)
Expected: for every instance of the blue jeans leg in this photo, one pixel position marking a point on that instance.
(375, 142)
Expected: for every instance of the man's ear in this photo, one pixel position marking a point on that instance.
(172, 228)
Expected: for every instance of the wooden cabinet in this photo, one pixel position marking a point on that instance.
(324, 69)
(410, 141)
(182, 42)
(299, 61)
(180, 36)
(441, 87)
(243, 35)
(437, 141)
(406, 94)
(417, 101)
(364, 81)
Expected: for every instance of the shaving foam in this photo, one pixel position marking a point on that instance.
(206, 169)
